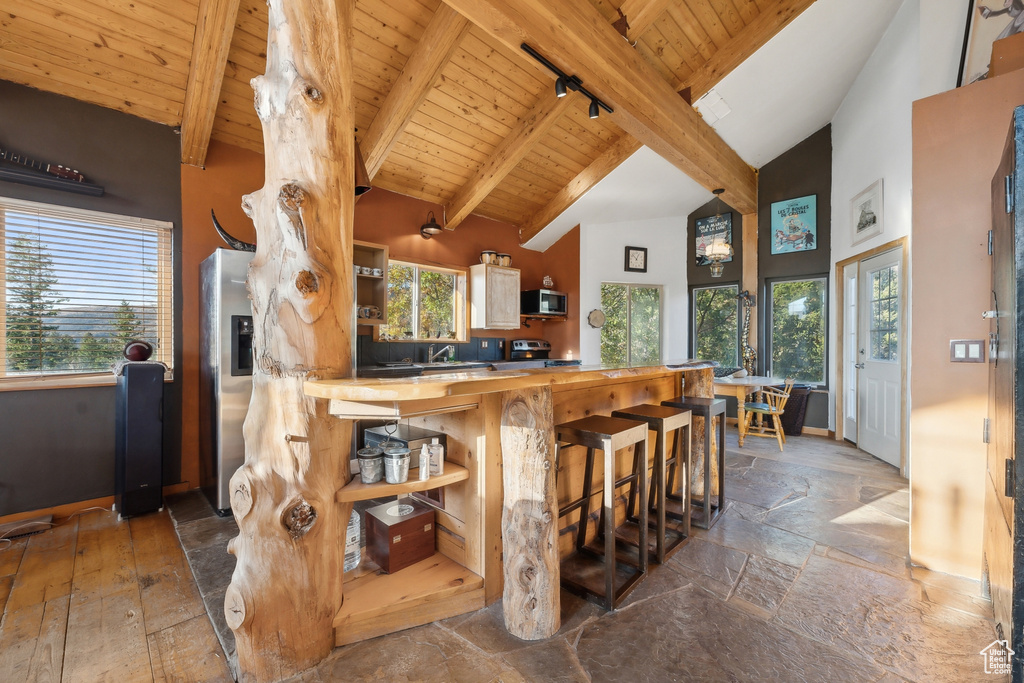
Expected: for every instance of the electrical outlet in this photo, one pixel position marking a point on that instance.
(501, 344)
(483, 343)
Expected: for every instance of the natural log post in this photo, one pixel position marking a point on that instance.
(702, 383)
(529, 518)
(287, 583)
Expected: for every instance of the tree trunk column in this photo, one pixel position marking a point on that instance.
(529, 516)
(287, 585)
(701, 383)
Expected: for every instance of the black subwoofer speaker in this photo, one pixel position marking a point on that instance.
(139, 442)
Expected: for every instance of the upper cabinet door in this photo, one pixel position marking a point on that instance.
(494, 297)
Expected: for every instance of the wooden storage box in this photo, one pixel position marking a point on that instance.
(399, 534)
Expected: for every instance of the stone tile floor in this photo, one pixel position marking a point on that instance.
(804, 578)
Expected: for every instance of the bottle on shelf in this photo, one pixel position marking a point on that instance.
(425, 469)
(436, 451)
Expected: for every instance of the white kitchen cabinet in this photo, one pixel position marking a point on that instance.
(494, 297)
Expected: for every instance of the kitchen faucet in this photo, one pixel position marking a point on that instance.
(444, 349)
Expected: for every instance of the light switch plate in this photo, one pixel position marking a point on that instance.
(966, 351)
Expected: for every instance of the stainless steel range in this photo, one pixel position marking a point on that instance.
(529, 349)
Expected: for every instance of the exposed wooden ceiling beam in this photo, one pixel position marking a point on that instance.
(745, 43)
(576, 38)
(621, 149)
(506, 156)
(742, 46)
(215, 26)
(641, 15)
(439, 40)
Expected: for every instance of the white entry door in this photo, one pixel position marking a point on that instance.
(879, 396)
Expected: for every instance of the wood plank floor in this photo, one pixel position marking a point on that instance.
(95, 599)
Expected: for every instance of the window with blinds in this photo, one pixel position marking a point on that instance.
(77, 286)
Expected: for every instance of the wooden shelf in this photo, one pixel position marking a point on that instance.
(544, 317)
(357, 490)
(370, 321)
(435, 588)
(370, 277)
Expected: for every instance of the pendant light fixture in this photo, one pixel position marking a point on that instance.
(719, 249)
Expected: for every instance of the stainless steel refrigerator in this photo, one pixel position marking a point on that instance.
(225, 374)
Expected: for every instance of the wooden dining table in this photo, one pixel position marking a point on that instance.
(741, 387)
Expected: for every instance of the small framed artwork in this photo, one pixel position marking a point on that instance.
(987, 22)
(636, 259)
(710, 229)
(795, 225)
(866, 212)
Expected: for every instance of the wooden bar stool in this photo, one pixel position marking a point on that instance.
(609, 435)
(707, 408)
(663, 419)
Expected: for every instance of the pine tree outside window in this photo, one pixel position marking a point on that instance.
(76, 286)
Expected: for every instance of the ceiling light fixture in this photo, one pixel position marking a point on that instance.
(719, 249)
(430, 228)
(565, 81)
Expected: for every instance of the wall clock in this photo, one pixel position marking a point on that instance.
(636, 259)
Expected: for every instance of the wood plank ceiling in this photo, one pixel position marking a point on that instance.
(447, 109)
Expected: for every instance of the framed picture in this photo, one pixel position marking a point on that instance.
(795, 225)
(866, 212)
(636, 259)
(987, 22)
(708, 230)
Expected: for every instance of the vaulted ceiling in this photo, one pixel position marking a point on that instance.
(448, 108)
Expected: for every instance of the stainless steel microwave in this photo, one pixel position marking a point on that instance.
(543, 302)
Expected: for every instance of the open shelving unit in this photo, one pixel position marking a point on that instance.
(371, 289)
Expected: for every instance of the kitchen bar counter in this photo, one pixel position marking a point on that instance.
(439, 385)
(498, 531)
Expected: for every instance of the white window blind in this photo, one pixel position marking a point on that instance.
(76, 286)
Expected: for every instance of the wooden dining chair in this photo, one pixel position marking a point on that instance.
(773, 405)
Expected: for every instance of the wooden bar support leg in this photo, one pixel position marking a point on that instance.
(529, 517)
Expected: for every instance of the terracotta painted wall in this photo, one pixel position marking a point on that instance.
(230, 173)
(958, 138)
(380, 216)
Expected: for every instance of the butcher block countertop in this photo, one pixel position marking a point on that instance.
(453, 384)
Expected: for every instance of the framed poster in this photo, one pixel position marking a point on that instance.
(987, 22)
(866, 212)
(795, 225)
(708, 230)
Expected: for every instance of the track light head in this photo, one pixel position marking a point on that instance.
(594, 111)
(559, 87)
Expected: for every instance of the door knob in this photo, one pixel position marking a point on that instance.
(859, 366)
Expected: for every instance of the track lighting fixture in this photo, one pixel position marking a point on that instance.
(564, 82)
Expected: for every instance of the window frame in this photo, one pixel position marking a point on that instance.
(163, 292)
(769, 324)
(629, 327)
(461, 312)
(739, 319)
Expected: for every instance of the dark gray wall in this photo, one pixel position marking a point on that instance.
(803, 170)
(58, 445)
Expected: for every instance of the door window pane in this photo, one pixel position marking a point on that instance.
(716, 324)
(885, 314)
(798, 330)
(632, 331)
(644, 325)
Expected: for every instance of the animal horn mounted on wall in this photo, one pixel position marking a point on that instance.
(233, 242)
